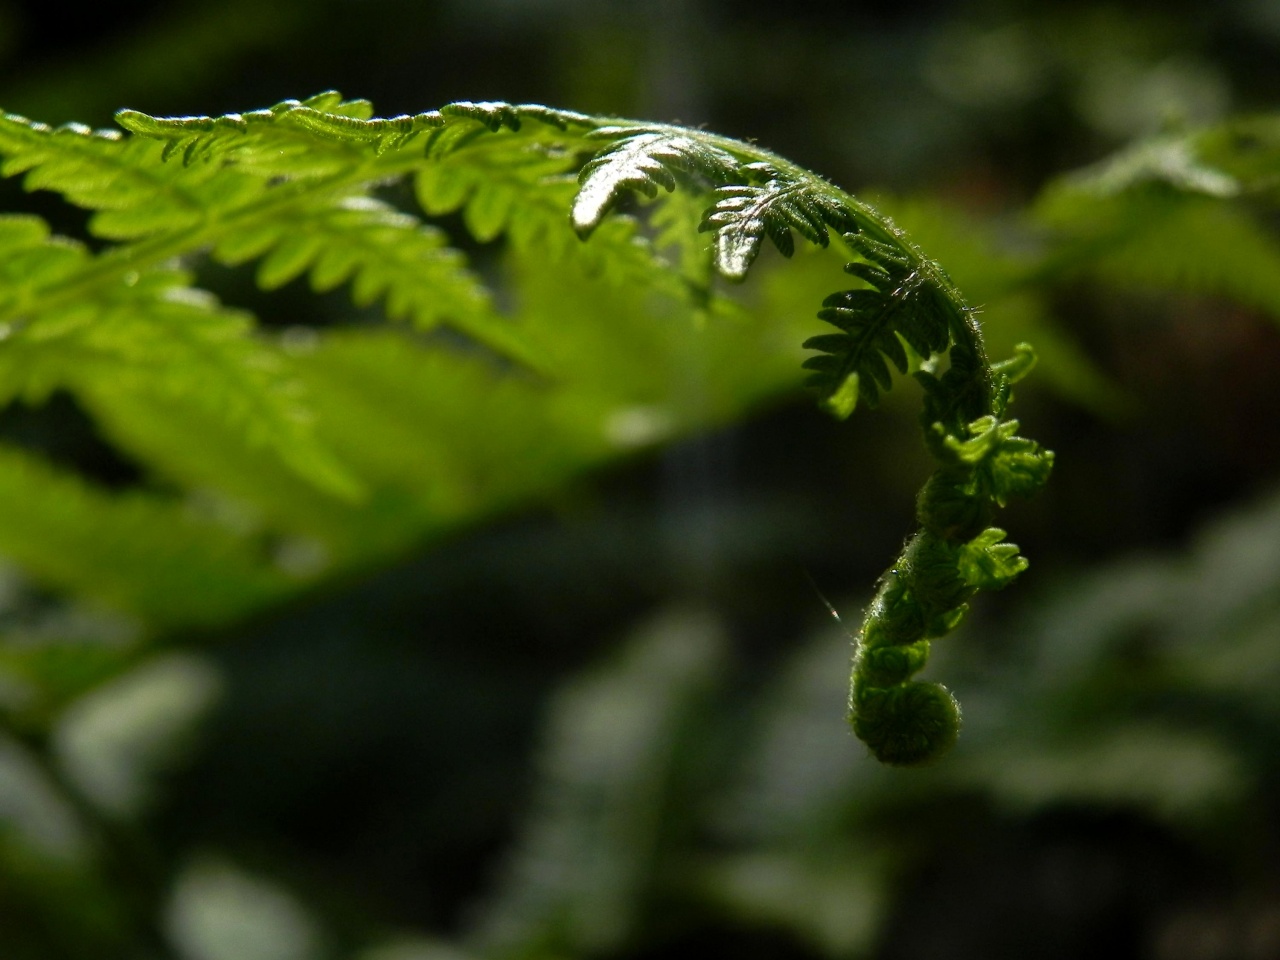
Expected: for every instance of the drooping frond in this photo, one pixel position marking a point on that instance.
(292, 186)
(998, 268)
(509, 170)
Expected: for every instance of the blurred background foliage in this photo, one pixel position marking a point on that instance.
(577, 701)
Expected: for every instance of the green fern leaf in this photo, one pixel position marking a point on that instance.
(744, 214)
(466, 122)
(988, 563)
(378, 249)
(152, 333)
(492, 184)
(292, 186)
(643, 160)
(99, 170)
(384, 254)
(522, 188)
(31, 258)
(315, 137)
(900, 308)
(324, 133)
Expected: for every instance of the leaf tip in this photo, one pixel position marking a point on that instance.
(843, 400)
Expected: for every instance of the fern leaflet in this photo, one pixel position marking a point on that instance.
(642, 160)
(151, 332)
(745, 214)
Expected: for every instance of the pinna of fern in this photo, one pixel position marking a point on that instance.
(290, 186)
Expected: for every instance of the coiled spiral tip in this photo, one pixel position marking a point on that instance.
(908, 724)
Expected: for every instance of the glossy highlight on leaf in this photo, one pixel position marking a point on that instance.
(643, 162)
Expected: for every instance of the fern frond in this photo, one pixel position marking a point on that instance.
(381, 252)
(31, 258)
(1009, 466)
(314, 137)
(243, 210)
(496, 115)
(292, 185)
(151, 333)
(494, 186)
(135, 194)
(522, 187)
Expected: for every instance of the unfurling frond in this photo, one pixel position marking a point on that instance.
(293, 188)
(1012, 466)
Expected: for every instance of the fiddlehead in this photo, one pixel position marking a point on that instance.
(905, 304)
(291, 185)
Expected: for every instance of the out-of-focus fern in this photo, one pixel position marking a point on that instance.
(156, 560)
(292, 188)
(597, 835)
(1178, 211)
(156, 335)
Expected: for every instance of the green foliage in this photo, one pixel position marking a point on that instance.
(1177, 211)
(466, 355)
(904, 308)
(290, 187)
(746, 213)
(642, 161)
(275, 462)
